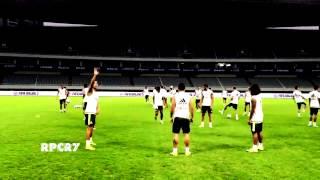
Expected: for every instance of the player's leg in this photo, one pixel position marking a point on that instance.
(203, 113)
(89, 131)
(161, 114)
(235, 106)
(299, 109)
(225, 108)
(315, 118)
(311, 117)
(64, 105)
(175, 131)
(156, 111)
(260, 137)
(210, 117)
(60, 102)
(255, 139)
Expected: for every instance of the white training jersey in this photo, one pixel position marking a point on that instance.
(247, 96)
(258, 113)
(163, 92)
(206, 97)
(182, 105)
(92, 103)
(198, 94)
(158, 98)
(235, 94)
(85, 92)
(172, 92)
(298, 97)
(224, 94)
(146, 92)
(62, 92)
(314, 99)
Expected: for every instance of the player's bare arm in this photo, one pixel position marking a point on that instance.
(253, 109)
(93, 79)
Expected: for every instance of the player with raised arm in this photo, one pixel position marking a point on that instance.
(206, 103)
(62, 93)
(299, 99)
(247, 102)
(256, 119)
(181, 115)
(235, 95)
(314, 103)
(198, 98)
(91, 110)
(158, 104)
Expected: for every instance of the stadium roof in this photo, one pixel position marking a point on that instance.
(220, 14)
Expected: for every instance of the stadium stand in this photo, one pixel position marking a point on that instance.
(19, 79)
(211, 81)
(266, 82)
(146, 81)
(168, 81)
(229, 82)
(52, 80)
(290, 82)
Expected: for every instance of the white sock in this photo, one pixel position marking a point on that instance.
(314, 123)
(210, 123)
(187, 149)
(310, 123)
(202, 123)
(175, 150)
(91, 139)
(87, 142)
(237, 116)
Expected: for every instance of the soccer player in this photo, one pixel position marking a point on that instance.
(235, 94)
(299, 99)
(256, 119)
(172, 92)
(181, 115)
(158, 104)
(206, 103)
(164, 93)
(146, 94)
(91, 110)
(314, 103)
(224, 95)
(247, 99)
(62, 93)
(198, 97)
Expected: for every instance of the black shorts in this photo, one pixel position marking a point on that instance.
(62, 101)
(90, 120)
(257, 129)
(197, 101)
(181, 123)
(234, 106)
(146, 96)
(313, 111)
(300, 104)
(83, 96)
(224, 99)
(160, 108)
(205, 109)
(247, 104)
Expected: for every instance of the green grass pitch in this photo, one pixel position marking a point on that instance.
(131, 145)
